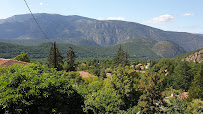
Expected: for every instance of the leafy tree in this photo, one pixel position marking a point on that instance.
(182, 76)
(59, 59)
(102, 74)
(121, 58)
(123, 81)
(71, 59)
(177, 105)
(105, 100)
(196, 88)
(37, 89)
(195, 107)
(151, 100)
(22, 57)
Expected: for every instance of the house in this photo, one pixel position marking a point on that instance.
(147, 66)
(8, 62)
(142, 67)
(182, 95)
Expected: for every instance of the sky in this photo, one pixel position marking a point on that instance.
(169, 15)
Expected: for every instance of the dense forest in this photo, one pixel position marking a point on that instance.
(136, 48)
(133, 86)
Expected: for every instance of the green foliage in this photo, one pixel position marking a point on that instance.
(196, 88)
(137, 48)
(102, 74)
(168, 91)
(167, 49)
(183, 75)
(22, 57)
(70, 59)
(37, 89)
(121, 58)
(123, 81)
(195, 107)
(179, 73)
(177, 105)
(104, 100)
(151, 101)
(59, 59)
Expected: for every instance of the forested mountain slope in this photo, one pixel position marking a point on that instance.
(136, 48)
(80, 30)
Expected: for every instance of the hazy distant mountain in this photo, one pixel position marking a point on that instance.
(200, 34)
(81, 30)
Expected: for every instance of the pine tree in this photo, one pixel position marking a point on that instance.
(59, 59)
(70, 59)
(121, 58)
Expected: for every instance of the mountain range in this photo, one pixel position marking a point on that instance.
(79, 30)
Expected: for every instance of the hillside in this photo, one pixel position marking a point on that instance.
(196, 56)
(136, 48)
(167, 49)
(85, 31)
(191, 56)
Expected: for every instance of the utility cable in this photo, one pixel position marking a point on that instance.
(37, 22)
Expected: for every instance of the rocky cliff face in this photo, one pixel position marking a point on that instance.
(196, 57)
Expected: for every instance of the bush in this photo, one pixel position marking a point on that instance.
(37, 89)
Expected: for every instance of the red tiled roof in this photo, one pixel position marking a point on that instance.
(184, 95)
(8, 62)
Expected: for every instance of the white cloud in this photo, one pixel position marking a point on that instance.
(161, 19)
(187, 14)
(112, 18)
(41, 4)
(115, 18)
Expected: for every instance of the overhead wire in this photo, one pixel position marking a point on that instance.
(37, 21)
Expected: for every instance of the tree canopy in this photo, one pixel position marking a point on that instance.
(59, 59)
(37, 89)
(22, 57)
(70, 59)
(121, 58)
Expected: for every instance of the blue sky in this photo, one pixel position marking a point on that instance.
(171, 15)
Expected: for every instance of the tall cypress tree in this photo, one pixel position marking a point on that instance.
(59, 59)
(70, 59)
(121, 58)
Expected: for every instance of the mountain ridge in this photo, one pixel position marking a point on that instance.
(96, 32)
